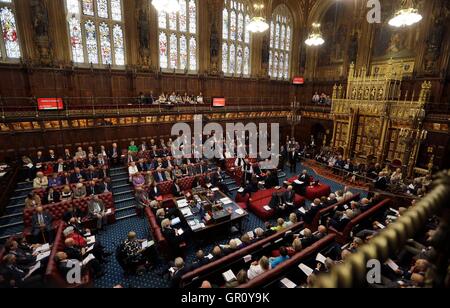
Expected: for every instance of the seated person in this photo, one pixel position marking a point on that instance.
(41, 181)
(142, 198)
(230, 248)
(274, 262)
(217, 253)
(341, 219)
(55, 181)
(292, 221)
(66, 194)
(289, 197)
(15, 276)
(24, 258)
(96, 210)
(132, 170)
(154, 192)
(177, 272)
(292, 250)
(91, 174)
(200, 260)
(160, 176)
(277, 203)
(65, 265)
(241, 278)
(138, 180)
(32, 201)
(79, 192)
(72, 213)
(77, 176)
(176, 189)
(307, 238)
(258, 268)
(51, 196)
(41, 223)
(134, 252)
(280, 225)
(103, 186)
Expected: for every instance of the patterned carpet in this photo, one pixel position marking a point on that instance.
(117, 233)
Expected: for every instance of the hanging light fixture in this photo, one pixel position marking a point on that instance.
(166, 6)
(406, 16)
(315, 37)
(258, 23)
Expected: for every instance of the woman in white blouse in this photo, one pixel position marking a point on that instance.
(258, 268)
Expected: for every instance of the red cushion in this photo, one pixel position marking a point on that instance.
(314, 192)
(257, 207)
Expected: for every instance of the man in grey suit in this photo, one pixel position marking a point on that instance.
(97, 210)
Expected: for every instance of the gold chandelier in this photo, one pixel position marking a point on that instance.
(406, 16)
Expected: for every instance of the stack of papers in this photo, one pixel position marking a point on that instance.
(182, 203)
(198, 227)
(288, 283)
(186, 212)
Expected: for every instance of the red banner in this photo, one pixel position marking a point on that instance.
(219, 102)
(298, 80)
(50, 104)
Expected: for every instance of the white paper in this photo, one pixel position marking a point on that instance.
(210, 256)
(299, 182)
(240, 212)
(109, 212)
(241, 190)
(306, 269)
(288, 283)
(392, 265)
(89, 249)
(251, 234)
(380, 226)
(267, 208)
(147, 244)
(180, 232)
(43, 255)
(321, 258)
(302, 210)
(32, 270)
(43, 248)
(394, 210)
(175, 221)
(229, 276)
(247, 258)
(91, 240)
(215, 189)
(88, 259)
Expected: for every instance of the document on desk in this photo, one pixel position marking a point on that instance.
(240, 212)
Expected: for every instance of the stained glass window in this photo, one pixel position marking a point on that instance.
(178, 38)
(96, 32)
(9, 41)
(280, 43)
(236, 48)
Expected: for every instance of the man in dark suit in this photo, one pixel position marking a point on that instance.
(277, 203)
(177, 272)
(293, 159)
(15, 275)
(91, 174)
(271, 180)
(59, 166)
(103, 186)
(77, 176)
(160, 176)
(42, 226)
(381, 182)
(176, 189)
(289, 197)
(51, 156)
(200, 260)
(115, 155)
(341, 221)
(305, 179)
(142, 166)
(154, 191)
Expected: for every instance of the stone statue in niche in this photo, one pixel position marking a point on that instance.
(434, 44)
(353, 49)
(143, 29)
(214, 41)
(39, 18)
(265, 50)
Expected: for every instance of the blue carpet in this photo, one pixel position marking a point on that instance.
(118, 232)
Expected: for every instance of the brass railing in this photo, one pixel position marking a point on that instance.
(353, 272)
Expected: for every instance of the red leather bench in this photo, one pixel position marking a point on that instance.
(57, 211)
(277, 272)
(345, 235)
(262, 198)
(53, 277)
(158, 237)
(314, 225)
(314, 192)
(241, 253)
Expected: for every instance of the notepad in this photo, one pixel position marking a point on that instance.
(229, 276)
(321, 258)
(392, 265)
(288, 283)
(306, 269)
